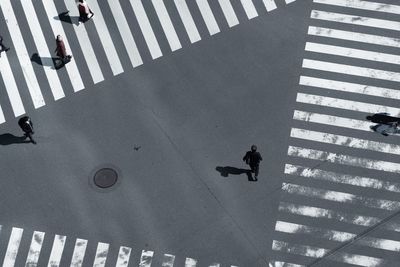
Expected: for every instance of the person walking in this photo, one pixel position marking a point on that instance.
(27, 126)
(253, 159)
(3, 48)
(85, 13)
(61, 52)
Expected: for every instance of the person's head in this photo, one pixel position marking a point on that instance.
(254, 148)
(59, 38)
(80, 1)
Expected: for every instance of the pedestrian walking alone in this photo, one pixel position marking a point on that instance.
(85, 13)
(3, 48)
(253, 158)
(27, 126)
(61, 52)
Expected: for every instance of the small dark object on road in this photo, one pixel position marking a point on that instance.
(253, 159)
(383, 118)
(85, 13)
(3, 48)
(61, 51)
(27, 126)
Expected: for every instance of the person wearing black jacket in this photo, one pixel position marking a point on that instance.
(27, 126)
(253, 159)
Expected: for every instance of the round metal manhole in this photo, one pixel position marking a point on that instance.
(105, 178)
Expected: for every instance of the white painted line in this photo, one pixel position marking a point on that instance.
(342, 140)
(167, 25)
(84, 42)
(34, 249)
(332, 120)
(378, 165)
(269, 5)
(22, 54)
(345, 104)
(365, 5)
(289, 1)
(43, 50)
(12, 247)
(146, 29)
(79, 252)
(187, 20)
(146, 258)
(249, 8)
(208, 16)
(350, 87)
(339, 216)
(229, 13)
(339, 236)
(123, 256)
(168, 260)
(105, 38)
(215, 265)
(356, 20)
(351, 70)
(342, 178)
(56, 26)
(316, 252)
(352, 53)
(283, 264)
(189, 262)
(125, 32)
(101, 255)
(57, 251)
(11, 88)
(354, 36)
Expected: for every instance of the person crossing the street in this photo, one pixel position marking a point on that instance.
(253, 158)
(85, 13)
(27, 126)
(61, 51)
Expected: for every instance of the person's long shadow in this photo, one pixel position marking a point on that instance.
(8, 139)
(65, 17)
(46, 61)
(225, 171)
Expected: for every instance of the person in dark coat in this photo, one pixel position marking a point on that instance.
(253, 159)
(383, 118)
(85, 13)
(27, 126)
(3, 48)
(61, 52)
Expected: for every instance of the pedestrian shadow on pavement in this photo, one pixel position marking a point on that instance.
(225, 171)
(45, 61)
(65, 17)
(8, 139)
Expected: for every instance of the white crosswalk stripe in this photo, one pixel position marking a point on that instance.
(34, 250)
(57, 250)
(249, 8)
(101, 255)
(360, 4)
(229, 13)
(12, 247)
(187, 20)
(79, 252)
(208, 16)
(269, 5)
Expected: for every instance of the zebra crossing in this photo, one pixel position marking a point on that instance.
(18, 62)
(58, 256)
(339, 208)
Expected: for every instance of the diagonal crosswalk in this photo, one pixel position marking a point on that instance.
(339, 204)
(61, 19)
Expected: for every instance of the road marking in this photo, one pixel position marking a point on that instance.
(125, 32)
(342, 140)
(187, 20)
(105, 38)
(84, 42)
(11, 88)
(22, 54)
(289, 1)
(354, 36)
(350, 87)
(269, 5)
(351, 70)
(352, 53)
(345, 104)
(334, 177)
(146, 258)
(79, 252)
(189, 262)
(34, 250)
(57, 251)
(229, 13)
(356, 20)
(378, 165)
(12, 247)
(101, 255)
(283, 264)
(43, 50)
(167, 25)
(314, 212)
(168, 260)
(123, 257)
(315, 252)
(366, 5)
(339, 236)
(215, 265)
(146, 29)
(56, 26)
(208, 16)
(249, 8)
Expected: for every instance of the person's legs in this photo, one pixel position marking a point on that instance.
(29, 135)
(256, 169)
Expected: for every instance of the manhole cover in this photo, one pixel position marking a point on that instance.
(105, 178)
